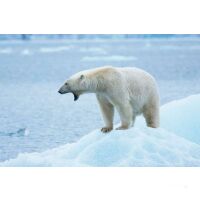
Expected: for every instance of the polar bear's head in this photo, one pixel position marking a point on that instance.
(77, 85)
(88, 81)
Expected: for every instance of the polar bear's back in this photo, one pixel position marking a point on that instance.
(134, 73)
(140, 85)
(134, 79)
(137, 79)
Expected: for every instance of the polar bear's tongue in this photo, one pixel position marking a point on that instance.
(75, 96)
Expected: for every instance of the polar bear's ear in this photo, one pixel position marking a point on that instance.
(82, 77)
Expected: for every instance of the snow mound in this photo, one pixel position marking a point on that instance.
(183, 117)
(134, 147)
(175, 144)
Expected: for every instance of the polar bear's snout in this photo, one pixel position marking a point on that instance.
(60, 91)
(64, 89)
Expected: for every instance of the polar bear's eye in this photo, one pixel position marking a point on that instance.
(66, 83)
(82, 77)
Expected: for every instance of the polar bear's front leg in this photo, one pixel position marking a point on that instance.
(126, 116)
(107, 111)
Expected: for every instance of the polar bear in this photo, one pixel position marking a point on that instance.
(131, 91)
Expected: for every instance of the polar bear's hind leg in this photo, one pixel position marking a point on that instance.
(151, 115)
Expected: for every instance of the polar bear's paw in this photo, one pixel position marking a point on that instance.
(106, 129)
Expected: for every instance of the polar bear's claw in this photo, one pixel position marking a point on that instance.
(106, 129)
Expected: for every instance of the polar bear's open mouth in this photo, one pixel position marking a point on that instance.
(76, 96)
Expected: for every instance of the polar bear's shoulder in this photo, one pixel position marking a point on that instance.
(105, 69)
(102, 71)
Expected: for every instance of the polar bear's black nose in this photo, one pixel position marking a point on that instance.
(59, 91)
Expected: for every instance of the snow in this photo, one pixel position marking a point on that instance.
(183, 117)
(93, 50)
(176, 143)
(26, 52)
(5, 50)
(55, 49)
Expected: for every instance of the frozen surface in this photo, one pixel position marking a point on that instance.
(183, 118)
(138, 146)
(31, 73)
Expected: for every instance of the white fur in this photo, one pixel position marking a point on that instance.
(131, 91)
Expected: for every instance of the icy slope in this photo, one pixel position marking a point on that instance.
(183, 117)
(175, 144)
